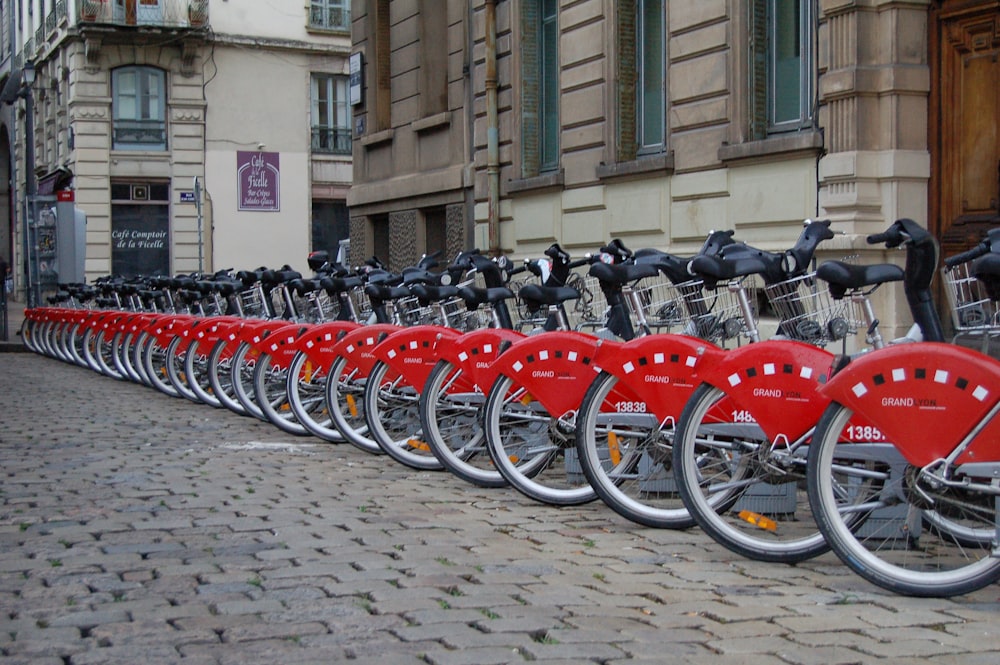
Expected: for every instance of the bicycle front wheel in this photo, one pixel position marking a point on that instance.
(533, 449)
(744, 490)
(897, 531)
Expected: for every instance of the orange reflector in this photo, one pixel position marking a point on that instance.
(513, 458)
(527, 399)
(352, 406)
(759, 520)
(308, 371)
(613, 449)
(418, 444)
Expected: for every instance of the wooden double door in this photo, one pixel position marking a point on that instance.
(964, 121)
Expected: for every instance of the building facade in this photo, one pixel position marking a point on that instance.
(194, 134)
(526, 122)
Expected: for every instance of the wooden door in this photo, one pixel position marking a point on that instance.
(965, 121)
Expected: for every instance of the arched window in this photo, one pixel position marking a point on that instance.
(139, 103)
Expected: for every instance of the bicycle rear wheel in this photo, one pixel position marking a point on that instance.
(896, 531)
(196, 369)
(392, 411)
(306, 390)
(744, 490)
(270, 385)
(241, 372)
(626, 456)
(154, 359)
(451, 417)
(220, 362)
(345, 390)
(176, 353)
(529, 446)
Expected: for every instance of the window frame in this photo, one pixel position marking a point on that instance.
(322, 11)
(143, 96)
(338, 110)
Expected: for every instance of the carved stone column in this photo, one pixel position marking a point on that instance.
(874, 80)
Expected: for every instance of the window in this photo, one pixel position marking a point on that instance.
(331, 124)
(651, 75)
(781, 64)
(138, 109)
(540, 86)
(330, 14)
(642, 69)
(434, 57)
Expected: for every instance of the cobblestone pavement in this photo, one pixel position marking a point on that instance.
(138, 528)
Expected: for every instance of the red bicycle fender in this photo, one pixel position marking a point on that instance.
(925, 398)
(280, 344)
(319, 341)
(775, 384)
(413, 352)
(357, 346)
(555, 367)
(659, 369)
(164, 329)
(476, 351)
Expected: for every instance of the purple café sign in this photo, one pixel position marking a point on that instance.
(258, 180)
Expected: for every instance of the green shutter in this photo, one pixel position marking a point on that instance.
(626, 80)
(757, 66)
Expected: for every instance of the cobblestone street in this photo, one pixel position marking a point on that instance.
(138, 528)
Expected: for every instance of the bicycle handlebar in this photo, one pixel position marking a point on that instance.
(968, 255)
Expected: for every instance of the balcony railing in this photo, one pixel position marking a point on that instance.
(158, 13)
(336, 141)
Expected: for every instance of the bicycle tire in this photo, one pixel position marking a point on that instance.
(923, 562)
(176, 374)
(727, 475)
(154, 359)
(138, 351)
(306, 389)
(528, 446)
(345, 391)
(451, 419)
(105, 356)
(241, 374)
(392, 411)
(270, 386)
(220, 360)
(627, 459)
(196, 369)
(75, 344)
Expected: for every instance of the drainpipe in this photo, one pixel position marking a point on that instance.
(492, 129)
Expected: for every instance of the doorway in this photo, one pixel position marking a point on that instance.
(964, 121)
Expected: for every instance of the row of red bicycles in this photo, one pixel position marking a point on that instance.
(639, 378)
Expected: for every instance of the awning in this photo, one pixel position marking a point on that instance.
(53, 181)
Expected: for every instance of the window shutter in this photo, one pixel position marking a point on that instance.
(757, 74)
(627, 37)
(530, 67)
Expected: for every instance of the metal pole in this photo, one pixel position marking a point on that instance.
(32, 293)
(492, 130)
